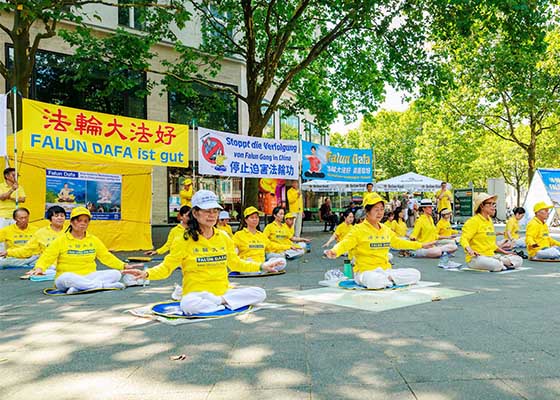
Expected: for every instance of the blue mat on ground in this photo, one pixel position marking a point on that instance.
(41, 278)
(236, 274)
(173, 310)
(57, 292)
(351, 284)
(545, 260)
(18, 267)
(143, 259)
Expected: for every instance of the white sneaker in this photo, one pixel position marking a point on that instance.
(129, 280)
(177, 294)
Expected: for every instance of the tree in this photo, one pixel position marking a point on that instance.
(333, 56)
(502, 61)
(48, 15)
(392, 136)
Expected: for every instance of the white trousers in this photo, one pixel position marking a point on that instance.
(18, 262)
(381, 278)
(496, 263)
(95, 280)
(436, 251)
(206, 302)
(549, 253)
(288, 254)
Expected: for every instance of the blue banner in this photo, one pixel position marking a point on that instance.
(551, 180)
(335, 164)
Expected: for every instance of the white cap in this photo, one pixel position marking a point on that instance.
(223, 215)
(205, 200)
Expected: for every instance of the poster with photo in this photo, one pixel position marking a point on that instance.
(99, 193)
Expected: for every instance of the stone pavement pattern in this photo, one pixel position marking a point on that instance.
(498, 343)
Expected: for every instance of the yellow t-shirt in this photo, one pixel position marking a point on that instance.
(424, 229)
(186, 196)
(174, 233)
(8, 206)
(342, 230)
(478, 234)
(15, 237)
(226, 229)
(444, 228)
(280, 234)
(399, 227)
(40, 240)
(370, 246)
(204, 263)
(512, 228)
(253, 246)
(77, 255)
(295, 200)
(445, 201)
(537, 233)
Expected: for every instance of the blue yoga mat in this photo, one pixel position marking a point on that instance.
(41, 278)
(18, 267)
(56, 292)
(173, 310)
(351, 284)
(236, 274)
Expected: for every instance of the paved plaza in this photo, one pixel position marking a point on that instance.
(496, 339)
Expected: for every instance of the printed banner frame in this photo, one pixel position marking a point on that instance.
(57, 131)
(226, 154)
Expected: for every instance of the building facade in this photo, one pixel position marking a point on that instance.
(219, 111)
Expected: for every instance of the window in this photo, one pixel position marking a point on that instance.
(209, 108)
(52, 82)
(289, 126)
(268, 131)
(132, 17)
(312, 133)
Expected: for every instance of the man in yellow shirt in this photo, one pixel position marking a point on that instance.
(295, 203)
(478, 238)
(40, 240)
(186, 193)
(10, 191)
(537, 237)
(443, 198)
(425, 231)
(15, 236)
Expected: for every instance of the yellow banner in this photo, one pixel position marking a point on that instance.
(54, 130)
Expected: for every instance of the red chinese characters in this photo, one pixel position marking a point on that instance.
(57, 120)
(165, 137)
(91, 126)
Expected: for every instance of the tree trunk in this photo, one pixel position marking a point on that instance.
(256, 126)
(531, 161)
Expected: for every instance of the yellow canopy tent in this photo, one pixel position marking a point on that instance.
(82, 141)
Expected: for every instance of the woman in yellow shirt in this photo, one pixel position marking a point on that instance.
(370, 242)
(425, 231)
(342, 229)
(443, 226)
(204, 254)
(511, 233)
(74, 255)
(252, 244)
(398, 225)
(479, 239)
(279, 233)
(223, 223)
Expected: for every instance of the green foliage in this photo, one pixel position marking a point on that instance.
(502, 57)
